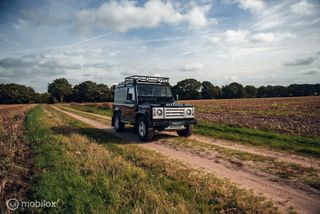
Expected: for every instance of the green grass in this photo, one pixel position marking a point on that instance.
(57, 178)
(295, 144)
(92, 109)
(96, 117)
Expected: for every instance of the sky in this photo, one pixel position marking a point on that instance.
(253, 42)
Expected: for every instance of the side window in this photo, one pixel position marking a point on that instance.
(120, 94)
(130, 94)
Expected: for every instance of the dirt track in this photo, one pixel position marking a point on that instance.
(285, 196)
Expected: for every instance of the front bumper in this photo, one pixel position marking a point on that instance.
(173, 122)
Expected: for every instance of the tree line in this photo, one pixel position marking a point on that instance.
(193, 89)
(60, 90)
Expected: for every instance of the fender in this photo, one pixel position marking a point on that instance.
(145, 113)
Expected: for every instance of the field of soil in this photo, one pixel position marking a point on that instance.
(296, 115)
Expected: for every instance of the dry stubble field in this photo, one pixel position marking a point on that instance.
(294, 115)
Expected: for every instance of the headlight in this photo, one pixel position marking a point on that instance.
(189, 113)
(157, 113)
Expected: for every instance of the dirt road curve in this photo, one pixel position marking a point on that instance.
(284, 195)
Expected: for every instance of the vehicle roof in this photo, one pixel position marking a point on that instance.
(139, 79)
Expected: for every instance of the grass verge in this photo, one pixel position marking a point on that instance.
(93, 116)
(102, 110)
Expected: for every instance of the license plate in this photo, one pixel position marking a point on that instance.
(175, 127)
(176, 123)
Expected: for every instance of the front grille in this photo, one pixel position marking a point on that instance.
(173, 113)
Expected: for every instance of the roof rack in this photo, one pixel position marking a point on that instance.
(146, 79)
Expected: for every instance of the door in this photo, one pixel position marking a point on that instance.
(129, 110)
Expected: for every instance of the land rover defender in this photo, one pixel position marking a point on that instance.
(147, 103)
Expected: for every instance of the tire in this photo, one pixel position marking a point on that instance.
(186, 132)
(118, 125)
(142, 129)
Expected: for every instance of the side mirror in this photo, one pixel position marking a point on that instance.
(129, 97)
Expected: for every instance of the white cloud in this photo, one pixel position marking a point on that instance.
(231, 37)
(232, 78)
(303, 8)
(196, 17)
(288, 15)
(264, 37)
(125, 15)
(215, 39)
(246, 37)
(192, 67)
(236, 36)
(274, 16)
(252, 5)
(271, 37)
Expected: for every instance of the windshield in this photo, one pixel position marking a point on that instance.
(154, 91)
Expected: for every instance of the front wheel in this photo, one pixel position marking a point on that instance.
(143, 131)
(186, 132)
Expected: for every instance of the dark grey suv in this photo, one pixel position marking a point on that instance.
(148, 104)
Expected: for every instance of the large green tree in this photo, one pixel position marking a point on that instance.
(15, 93)
(303, 89)
(229, 92)
(272, 91)
(233, 90)
(209, 91)
(104, 93)
(187, 89)
(59, 89)
(251, 91)
(89, 91)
